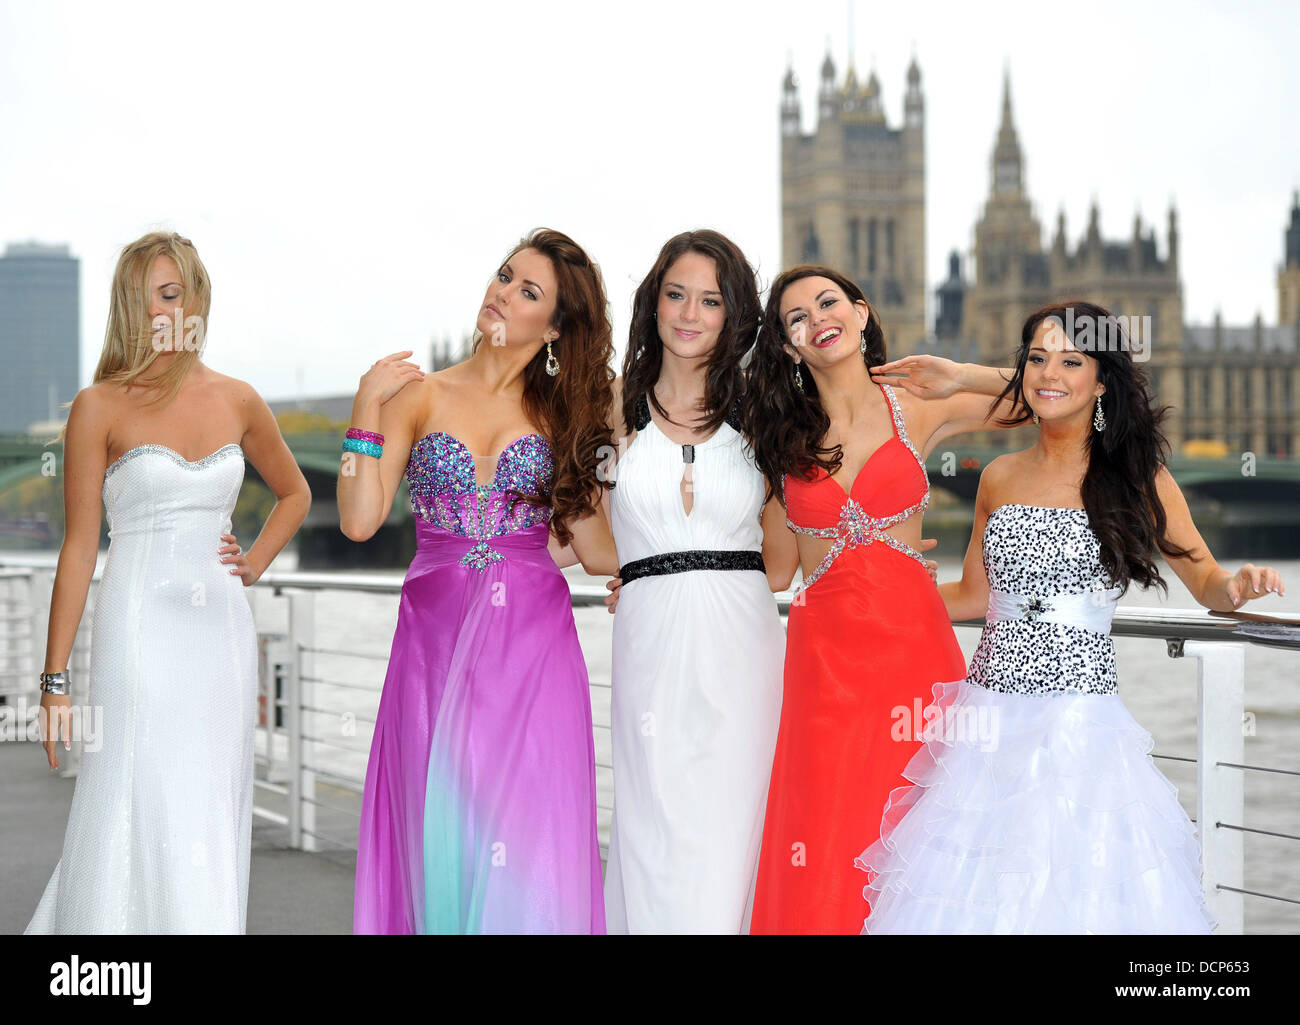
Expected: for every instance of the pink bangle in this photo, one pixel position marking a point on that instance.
(360, 435)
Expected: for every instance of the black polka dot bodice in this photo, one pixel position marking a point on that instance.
(1050, 605)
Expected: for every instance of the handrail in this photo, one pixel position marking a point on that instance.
(1215, 641)
(1130, 620)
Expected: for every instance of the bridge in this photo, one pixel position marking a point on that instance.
(1234, 500)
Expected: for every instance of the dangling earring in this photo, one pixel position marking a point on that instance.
(862, 345)
(798, 377)
(552, 364)
(640, 351)
(1035, 419)
(1098, 417)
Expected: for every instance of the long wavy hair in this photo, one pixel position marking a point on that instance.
(786, 424)
(572, 406)
(723, 376)
(1119, 487)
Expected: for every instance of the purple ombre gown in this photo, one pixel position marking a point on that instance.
(479, 813)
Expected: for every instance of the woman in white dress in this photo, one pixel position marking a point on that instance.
(698, 643)
(158, 835)
(1035, 805)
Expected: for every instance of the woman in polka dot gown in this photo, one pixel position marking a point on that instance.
(1035, 805)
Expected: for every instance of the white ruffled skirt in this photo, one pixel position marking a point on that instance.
(1039, 813)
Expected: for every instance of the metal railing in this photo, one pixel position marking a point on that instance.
(291, 772)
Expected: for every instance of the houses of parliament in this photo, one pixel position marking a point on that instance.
(853, 197)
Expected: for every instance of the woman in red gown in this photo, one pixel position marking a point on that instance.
(868, 635)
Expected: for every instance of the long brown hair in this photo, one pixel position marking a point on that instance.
(1119, 487)
(723, 376)
(786, 424)
(571, 407)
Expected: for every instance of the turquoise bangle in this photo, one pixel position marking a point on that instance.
(366, 448)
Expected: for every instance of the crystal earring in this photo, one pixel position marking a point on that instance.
(862, 345)
(640, 351)
(1035, 419)
(552, 364)
(1098, 417)
(798, 377)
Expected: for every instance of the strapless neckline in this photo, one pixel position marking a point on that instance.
(491, 485)
(171, 453)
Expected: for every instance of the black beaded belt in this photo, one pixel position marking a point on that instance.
(683, 562)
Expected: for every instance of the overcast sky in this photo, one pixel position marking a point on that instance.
(352, 173)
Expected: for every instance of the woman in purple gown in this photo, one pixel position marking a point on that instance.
(479, 813)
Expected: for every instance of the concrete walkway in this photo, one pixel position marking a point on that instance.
(289, 891)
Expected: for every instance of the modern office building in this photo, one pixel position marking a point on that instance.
(40, 327)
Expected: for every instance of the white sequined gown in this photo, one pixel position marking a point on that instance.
(698, 658)
(158, 835)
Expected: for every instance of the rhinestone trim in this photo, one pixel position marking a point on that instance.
(855, 526)
(175, 456)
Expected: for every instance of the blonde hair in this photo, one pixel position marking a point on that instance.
(128, 339)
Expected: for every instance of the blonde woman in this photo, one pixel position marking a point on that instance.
(158, 835)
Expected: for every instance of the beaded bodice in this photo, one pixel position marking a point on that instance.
(445, 492)
(889, 488)
(1050, 604)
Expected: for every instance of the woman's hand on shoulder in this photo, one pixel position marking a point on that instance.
(922, 375)
(388, 376)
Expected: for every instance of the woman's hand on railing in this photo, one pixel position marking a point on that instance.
(611, 599)
(1254, 582)
(55, 722)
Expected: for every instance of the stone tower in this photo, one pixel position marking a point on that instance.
(853, 194)
(1288, 275)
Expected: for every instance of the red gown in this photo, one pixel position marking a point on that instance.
(868, 637)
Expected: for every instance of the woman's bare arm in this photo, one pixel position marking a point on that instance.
(388, 402)
(85, 458)
(780, 546)
(593, 542)
(265, 448)
(958, 396)
(968, 598)
(1211, 585)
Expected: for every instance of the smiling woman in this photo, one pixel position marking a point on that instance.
(697, 640)
(868, 634)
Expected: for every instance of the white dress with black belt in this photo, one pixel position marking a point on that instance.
(698, 655)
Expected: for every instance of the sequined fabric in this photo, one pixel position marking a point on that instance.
(856, 525)
(444, 491)
(1042, 553)
(158, 834)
